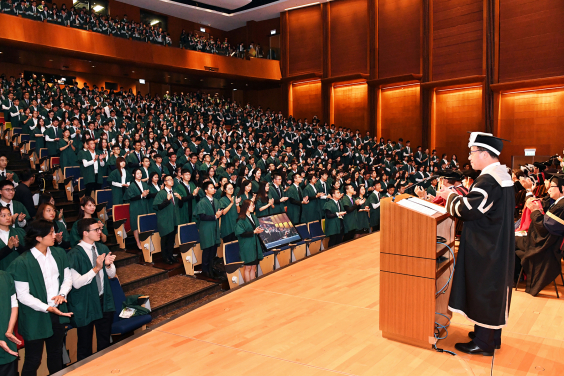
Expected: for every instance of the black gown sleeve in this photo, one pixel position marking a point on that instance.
(329, 214)
(207, 217)
(164, 204)
(294, 201)
(351, 208)
(4, 252)
(247, 234)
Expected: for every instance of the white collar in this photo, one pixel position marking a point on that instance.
(86, 246)
(556, 202)
(489, 167)
(36, 253)
(4, 203)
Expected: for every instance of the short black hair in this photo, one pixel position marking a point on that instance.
(84, 225)
(38, 228)
(4, 183)
(206, 184)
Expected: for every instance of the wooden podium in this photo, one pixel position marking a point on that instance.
(410, 274)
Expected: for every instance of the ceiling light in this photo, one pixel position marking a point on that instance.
(132, 71)
(273, 32)
(97, 8)
(142, 81)
(201, 79)
(50, 59)
(93, 66)
(302, 6)
(154, 22)
(168, 76)
(203, 29)
(185, 78)
(234, 89)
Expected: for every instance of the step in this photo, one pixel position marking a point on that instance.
(135, 275)
(123, 258)
(175, 292)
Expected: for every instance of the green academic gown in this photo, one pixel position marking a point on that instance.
(332, 225)
(117, 192)
(33, 324)
(311, 211)
(87, 173)
(6, 261)
(152, 194)
(209, 230)
(67, 156)
(349, 220)
(75, 238)
(8, 289)
(273, 194)
(229, 220)
(52, 146)
(19, 208)
(188, 202)
(249, 246)
(323, 188)
(295, 211)
(362, 221)
(137, 205)
(373, 202)
(84, 302)
(39, 138)
(168, 218)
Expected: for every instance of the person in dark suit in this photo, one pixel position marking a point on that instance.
(23, 193)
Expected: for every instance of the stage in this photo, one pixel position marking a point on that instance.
(320, 317)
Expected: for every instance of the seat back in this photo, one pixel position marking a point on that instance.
(105, 183)
(122, 212)
(315, 229)
(69, 172)
(147, 222)
(303, 231)
(231, 252)
(189, 233)
(24, 137)
(16, 130)
(119, 297)
(81, 185)
(104, 195)
(32, 144)
(43, 153)
(56, 161)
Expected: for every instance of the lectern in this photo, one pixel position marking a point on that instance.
(413, 268)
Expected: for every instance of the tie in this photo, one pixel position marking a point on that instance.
(172, 196)
(352, 202)
(3, 174)
(339, 205)
(323, 186)
(213, 206)
(98, 279)
(278, 190)
(300, 193)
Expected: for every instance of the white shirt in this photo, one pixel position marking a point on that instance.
(94, 161)
(4, 236)
(140, 185)
(50, 273)
(11, 203)
(123, 179)
(79, 281)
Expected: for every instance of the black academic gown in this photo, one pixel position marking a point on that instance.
(539, 251)
(483, 276)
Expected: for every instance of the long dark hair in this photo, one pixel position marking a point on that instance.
(262, 194)
(83, 201)
(243, 185)
(244, 207)
(118, 161)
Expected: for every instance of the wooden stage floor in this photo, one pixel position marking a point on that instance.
(320, 317)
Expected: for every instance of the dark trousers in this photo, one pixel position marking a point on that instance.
(34, 350)
(167, 245)
(103, 334)
(229, 238)
(208, 255)
(9, 369)
(91, 187)
(349, 236)
(376, 228)
(335, 239)
(487, 339)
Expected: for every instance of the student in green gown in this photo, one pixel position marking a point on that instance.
(230, 206)
(67, 151)
(42, 296)
(189, 193)
(154, 188)
(245, 192)
(311, 211)
(373, 203)
(12, 242)
(362, 220)
(8, 318)
(136, 195)
(247, 230)
(276, 192)
(207, 214)
(87, 210)
(167, 203)
(103, 149)
(297, 200)
(92, 265)
(116, 153)
(350, 206)
(257, 173)
(48, 212)
(38, 135)
(119, 179)
(334, 213)
(51, 138)
(263, 203)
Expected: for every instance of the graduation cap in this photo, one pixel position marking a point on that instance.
(472, 174)
(486, 141)
(540, 165)
(451, 174)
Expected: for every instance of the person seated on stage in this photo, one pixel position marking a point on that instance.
(334, 213)
(20, 214)
(8, 341)
(246, 231)
(91, 264)
(539, 251)
(42, 293)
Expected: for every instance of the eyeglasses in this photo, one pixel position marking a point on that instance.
(473, 151)
(9, 189)
(553, 186)
(98, 229)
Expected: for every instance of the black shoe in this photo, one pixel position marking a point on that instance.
(472, 349)
(472, 335)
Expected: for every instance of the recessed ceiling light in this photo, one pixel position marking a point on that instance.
(232, 83)
(93, 66)
(185, 78)
(168, 76)
(50, 59)
(132, 71)
(0, 52)
(201, 79)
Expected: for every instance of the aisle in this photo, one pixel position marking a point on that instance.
(320, 317)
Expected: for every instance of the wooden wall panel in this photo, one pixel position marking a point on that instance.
(400, 114)
(266, 98)
(457, 38)
(349, 37)
(305, 30)
(350, 107)
(306, 100)
(456, 113)
(531, 39)
(532, 120)
(399, 37)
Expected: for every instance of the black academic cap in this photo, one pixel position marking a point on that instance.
(486, 141)
(472, 174)
(540, 165)
(451, 174)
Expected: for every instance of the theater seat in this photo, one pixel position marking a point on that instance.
(149, 235)
(188, 239)
(266, 265)
(122, 326)
(299, 249)
(317, 235)
(104, 195)
(282, 256)
(121, 223)
(233, 264)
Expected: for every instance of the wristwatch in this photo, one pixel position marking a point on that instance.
(63, 295)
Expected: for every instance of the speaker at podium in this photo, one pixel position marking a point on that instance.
(415, 270)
